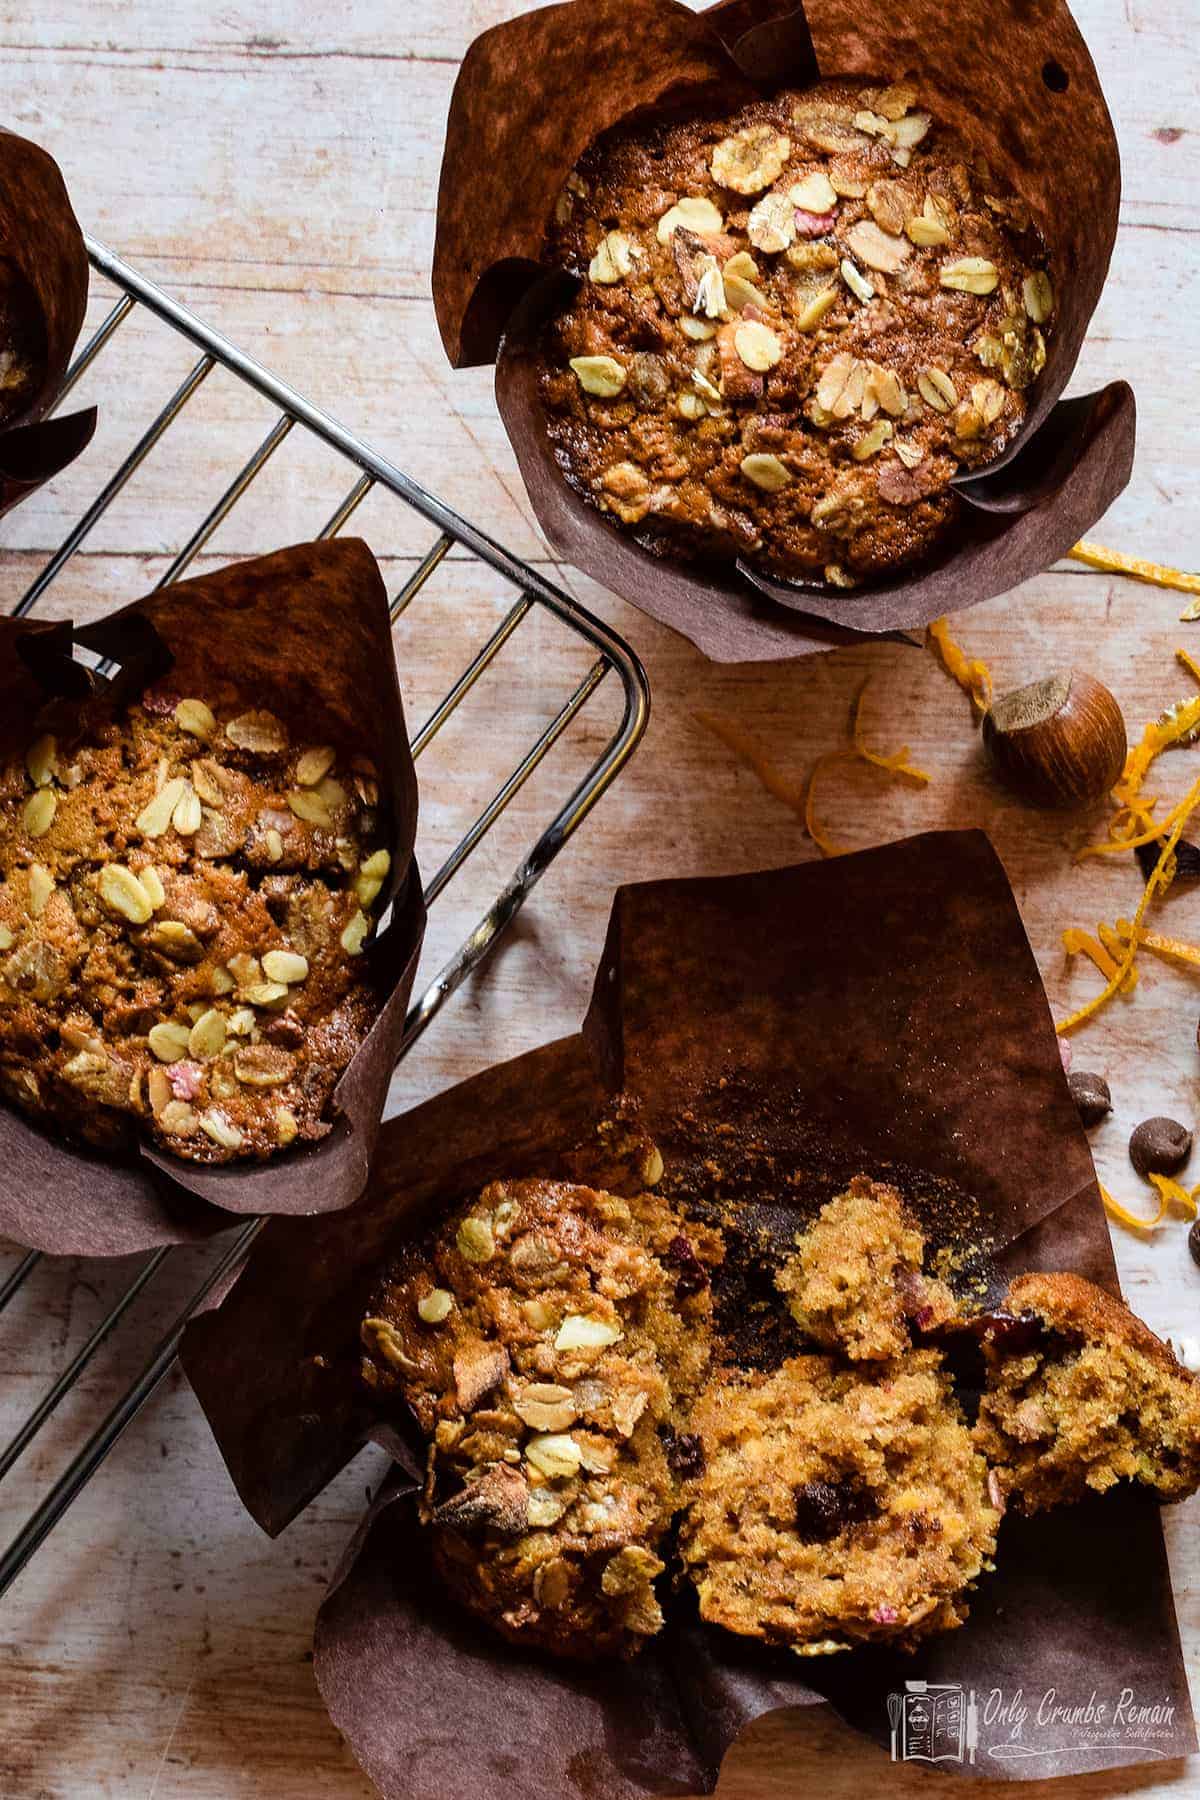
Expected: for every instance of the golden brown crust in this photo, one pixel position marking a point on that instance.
(547, 1342)
(184, 901)
(900, 335)
(1096, 1399)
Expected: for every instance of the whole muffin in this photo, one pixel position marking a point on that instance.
(837, 1507)
(184, 906)
(795, 325)
(1082, 1395)
(547, 1342)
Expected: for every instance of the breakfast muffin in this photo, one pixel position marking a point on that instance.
(837, 1507)
(185, 901)
(547, 1343)
(795, 325)
(1081, 1395)
(854, 1284)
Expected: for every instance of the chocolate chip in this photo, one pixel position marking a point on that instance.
(1091, 1095)
(1187, 859)
(1194, 1242)
(684, 1451)
(825, 1508)
(1159, 1146)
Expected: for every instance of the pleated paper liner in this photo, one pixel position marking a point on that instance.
(43, 248)
(305, 634)
(767, 1055)
(1015, 80)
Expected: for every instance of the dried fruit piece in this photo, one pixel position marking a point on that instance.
(694, 213)
(970, 275)
(603, 376)
(765, 471)
(751, 159)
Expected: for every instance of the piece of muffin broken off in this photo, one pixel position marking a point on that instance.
(855, 1284)
(547, 1342)
(837, 1507)
(1082, 1395)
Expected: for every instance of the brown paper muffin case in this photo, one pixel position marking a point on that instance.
(914, 1043)
(304, 632)
(41, 241)
(1015, 78)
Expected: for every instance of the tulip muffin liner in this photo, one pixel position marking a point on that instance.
(1017, 81)
(760, 1053)
(304, 632)
(41, 242)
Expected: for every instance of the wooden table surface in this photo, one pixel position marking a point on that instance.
(275, 169)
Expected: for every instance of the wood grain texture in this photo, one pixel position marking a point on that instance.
(276, 171)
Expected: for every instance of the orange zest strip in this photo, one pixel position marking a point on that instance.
(825, 845)
(1171, 1193)
(1123, 1216)
(1116, 562)
(1173, 948)
(1079, 943)
(1156, 881)
(895, 764)
(971, 672)
(745, 747)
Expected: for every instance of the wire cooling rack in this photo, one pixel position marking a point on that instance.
(534, 597)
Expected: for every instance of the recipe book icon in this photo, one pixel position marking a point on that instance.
(933, 1722)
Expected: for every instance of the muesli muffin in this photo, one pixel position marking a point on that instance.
(855, 1284)
(185, 902)
(548, 1343)
(795, 325)
(836, 1506)
(1082, 1395)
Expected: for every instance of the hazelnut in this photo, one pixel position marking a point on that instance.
(1159, 1146)
(1058, 742)
(1091, 1095)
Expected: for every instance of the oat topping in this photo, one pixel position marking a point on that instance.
(181, 941)
(731, 264)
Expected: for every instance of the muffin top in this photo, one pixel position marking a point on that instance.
(184, 905)
(795, 325)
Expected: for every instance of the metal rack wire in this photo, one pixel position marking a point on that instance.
(532, 594)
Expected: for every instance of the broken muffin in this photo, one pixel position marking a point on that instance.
(1081, 1395)
(837, 1507)
(855, 1284)
(548, 1342)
